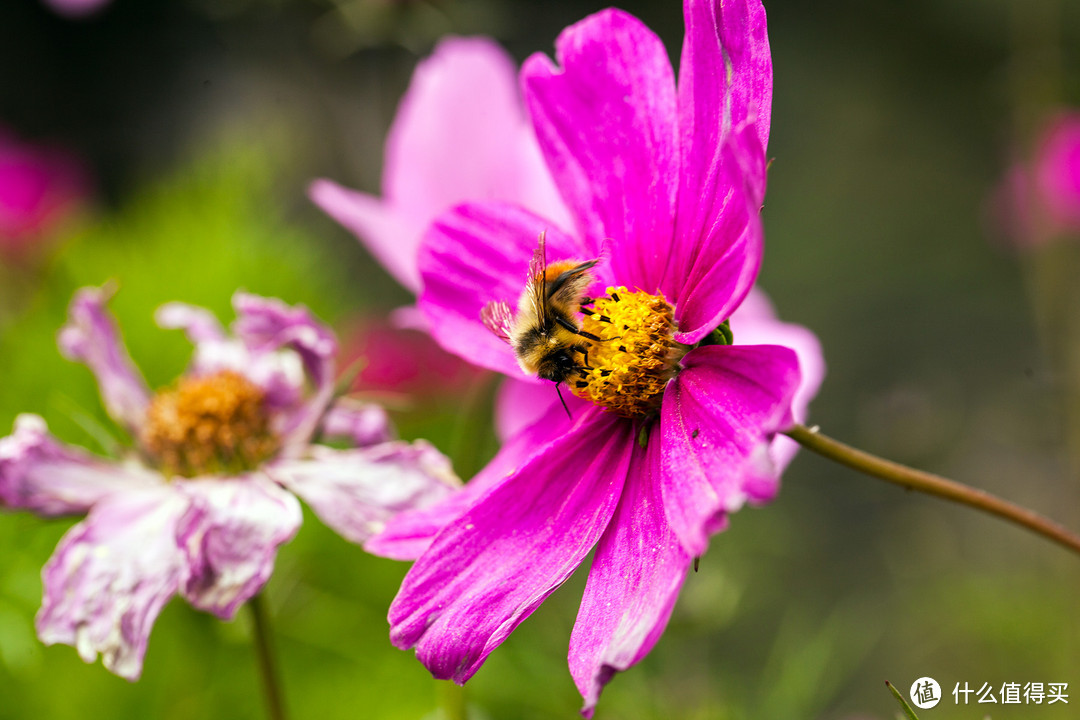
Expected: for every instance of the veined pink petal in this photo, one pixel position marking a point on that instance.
(90, 337)
(392, 236)
(606, 121)
(725, 81)
(460, 134)
(634, 581)
(475, 254)
(726, 402)
(489, 569)
(408, 535)
(230, 537)
(363, 424)
(356, 491)
(110, 576)
(41, 474)
(266, 325)
(755, 323)
(717, 255)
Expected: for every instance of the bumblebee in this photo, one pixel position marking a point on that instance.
(544, 331)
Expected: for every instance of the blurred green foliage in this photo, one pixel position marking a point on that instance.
(889, 129)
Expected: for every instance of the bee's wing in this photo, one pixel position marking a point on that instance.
(536, 287)
(498, 318)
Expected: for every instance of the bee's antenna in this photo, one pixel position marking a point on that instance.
(559, 393)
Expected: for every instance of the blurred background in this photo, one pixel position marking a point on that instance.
(174, 141)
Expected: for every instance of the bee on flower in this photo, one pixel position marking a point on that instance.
(208, 492)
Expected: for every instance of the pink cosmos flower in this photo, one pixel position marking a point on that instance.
(39, 188)
(672, 428)
(74, 9)
(1037, 202)
(202, 502)
(461, 133)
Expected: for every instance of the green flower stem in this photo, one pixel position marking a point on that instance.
(275, 704)
(452, 700)
(931, 484)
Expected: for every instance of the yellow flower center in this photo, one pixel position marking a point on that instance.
(211, 424)
(629, 367)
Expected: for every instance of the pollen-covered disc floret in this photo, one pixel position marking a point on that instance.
(209, 424)
(634, 359)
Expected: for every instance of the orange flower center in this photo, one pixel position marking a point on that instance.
(210, 424)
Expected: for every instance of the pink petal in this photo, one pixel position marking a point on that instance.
(230, 537)
(91, 337)
(475, 254)
(755, 323)
(718, 252)
(460, 134)
(725, 403)
(39, 473)
(266, 325)
(489, 569)
(408, 535)
(391, 235)
(356, 491)
(110, 576)
(725, 81)
(635, 578)
(606, 121)
(520, 403)
(362, 424)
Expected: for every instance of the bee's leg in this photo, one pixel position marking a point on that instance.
(575, 329)
(586, 301)
(559, 393)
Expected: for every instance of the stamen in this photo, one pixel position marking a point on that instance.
(211, 424)
(629, 378)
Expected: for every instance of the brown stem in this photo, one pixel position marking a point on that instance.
(932, 484)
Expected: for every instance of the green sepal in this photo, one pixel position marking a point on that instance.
(722, 335)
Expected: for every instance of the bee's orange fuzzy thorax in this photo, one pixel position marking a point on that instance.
(636, 356)
(209, 424)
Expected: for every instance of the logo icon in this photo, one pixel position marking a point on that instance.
(925, 693)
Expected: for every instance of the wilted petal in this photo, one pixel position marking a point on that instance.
(634, 581)
(755, 323)
(408, 535)
(360, 423)
(110, 576)
(490, 568)
(725, 403)
(230, 538)
(198, 323)
(476, 254)
(90, 337)
(267, 325)
(41, 474)
(606, 121)
(356, 491)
